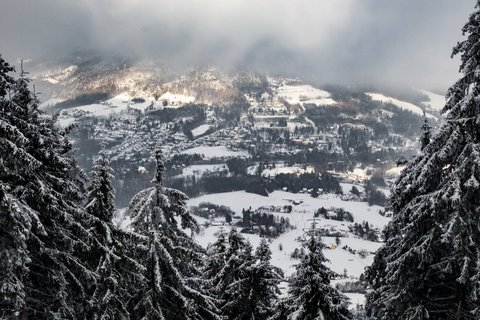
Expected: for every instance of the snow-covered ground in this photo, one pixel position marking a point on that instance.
(124, 100)
(341, 260)
(200, 130)
(437, 101)
(346, 187)
(176, 100)
(64, 122)
(301, 218)
(117, 104)
(216, 152)
(287, 170)
(304, 94)
(399, 103)
(356, 298)
(357, 175)
(394, 172)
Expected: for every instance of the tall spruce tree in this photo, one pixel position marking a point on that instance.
(110, 255)
(426, 135)
(264, 281)
(216, 260)
(429, 267)
(173, 286)
(15, 217)
(310, 295)
(230, 273)
(41, 225)
(238, 300)
(245, 284)
(100, 196)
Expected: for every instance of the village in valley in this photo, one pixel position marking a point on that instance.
(265, 155)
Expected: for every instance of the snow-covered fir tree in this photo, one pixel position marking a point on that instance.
(426, 135)
(110, 255)
(173, 286)
(230, 271)
(264, 279)
(310, 295)
(100, 196)
(282, 310)
(215, 263)
(15, 218)
(41, 226)
(429, 267)
(245, 284)
(238, 302)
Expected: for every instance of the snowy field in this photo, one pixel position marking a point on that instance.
(304, 94)
(200, 130)
(117, 104)
(287, 170)
(300, 217)
(341, 261)
(437, 101)
(176, 100)
(121, 103)
(394, 172)
(356, 298)
(399, 103)
(216, 152)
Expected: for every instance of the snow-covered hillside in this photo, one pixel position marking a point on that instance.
(399, 103)
(304, 94)
(117, 104)
(436, 101)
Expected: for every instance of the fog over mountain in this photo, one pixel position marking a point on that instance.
(345, 41)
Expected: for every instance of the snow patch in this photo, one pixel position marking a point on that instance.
(200, 130)
(304, 94)
(287, 170)
(64, 122)
(216, 152)
(394, 172)
(117, 104)
(176, 100)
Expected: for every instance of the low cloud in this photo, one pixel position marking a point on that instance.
(343, 41)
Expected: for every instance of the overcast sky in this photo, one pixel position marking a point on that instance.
(405, 42)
